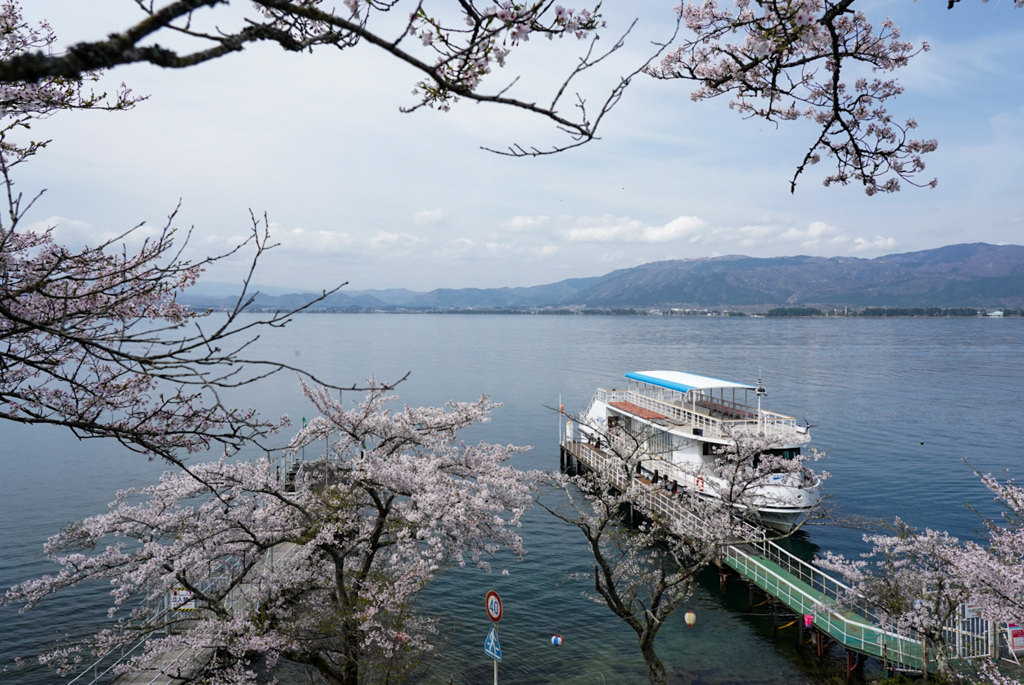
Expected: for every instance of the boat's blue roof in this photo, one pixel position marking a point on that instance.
(681, 381)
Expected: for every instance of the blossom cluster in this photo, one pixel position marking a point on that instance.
(465, 54)
(21, 102)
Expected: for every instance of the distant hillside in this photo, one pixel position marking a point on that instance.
(968, 275)
(974, 275)
(536, 296)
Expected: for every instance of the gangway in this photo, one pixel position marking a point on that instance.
(800, 586)
(178, 663)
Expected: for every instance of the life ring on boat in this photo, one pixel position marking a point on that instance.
(700, 483)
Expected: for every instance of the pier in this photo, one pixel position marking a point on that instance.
(796, 584)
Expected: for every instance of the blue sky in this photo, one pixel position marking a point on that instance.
(357, 191)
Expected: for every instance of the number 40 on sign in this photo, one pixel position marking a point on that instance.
(493, 606)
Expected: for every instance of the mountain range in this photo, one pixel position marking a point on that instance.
(966, 275)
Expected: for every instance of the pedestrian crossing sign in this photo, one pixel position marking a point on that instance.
(491, 646)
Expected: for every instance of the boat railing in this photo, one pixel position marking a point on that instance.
(769, 422)
(609, 396)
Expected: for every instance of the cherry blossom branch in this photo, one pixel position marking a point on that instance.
(456, 46)
(94, 341)
(768, 55)
(93, 338)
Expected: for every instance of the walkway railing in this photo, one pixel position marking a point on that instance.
(241, 597)
(802, 587)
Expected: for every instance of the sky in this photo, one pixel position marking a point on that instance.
(356, 191)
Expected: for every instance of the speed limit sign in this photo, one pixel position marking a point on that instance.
(493, 606)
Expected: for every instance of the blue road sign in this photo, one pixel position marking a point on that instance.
(491, 646)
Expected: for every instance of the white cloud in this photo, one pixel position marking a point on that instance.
(756, 234)
(427, 217)
(463, 249)
(525, 223)
(606, 229)
(816, 234)
(81, 233)
(453, 250)
(386, 240)
(876, 244)
(317, 241)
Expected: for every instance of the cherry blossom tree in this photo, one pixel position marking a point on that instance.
(643, 573)
(993, 568)
(320, 564)
(918, 581)
(909, 582)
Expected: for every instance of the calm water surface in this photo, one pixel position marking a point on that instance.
(897, 405)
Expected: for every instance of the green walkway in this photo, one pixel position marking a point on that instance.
(847, 628)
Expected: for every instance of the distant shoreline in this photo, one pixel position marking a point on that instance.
(774, 313)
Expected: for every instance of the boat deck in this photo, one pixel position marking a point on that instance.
(636, 410)
(714, 418)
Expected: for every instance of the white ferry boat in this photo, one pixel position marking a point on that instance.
(685, 422)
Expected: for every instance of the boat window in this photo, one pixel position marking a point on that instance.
(786, 453)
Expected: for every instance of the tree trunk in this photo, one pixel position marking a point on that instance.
(325, 669)
(655, 669)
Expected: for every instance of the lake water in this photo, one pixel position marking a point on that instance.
(897, 404)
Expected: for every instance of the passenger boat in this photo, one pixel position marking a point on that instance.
(679, 425)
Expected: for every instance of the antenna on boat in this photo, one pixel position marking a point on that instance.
(760, 393)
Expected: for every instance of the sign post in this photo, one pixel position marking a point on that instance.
(491, 646)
